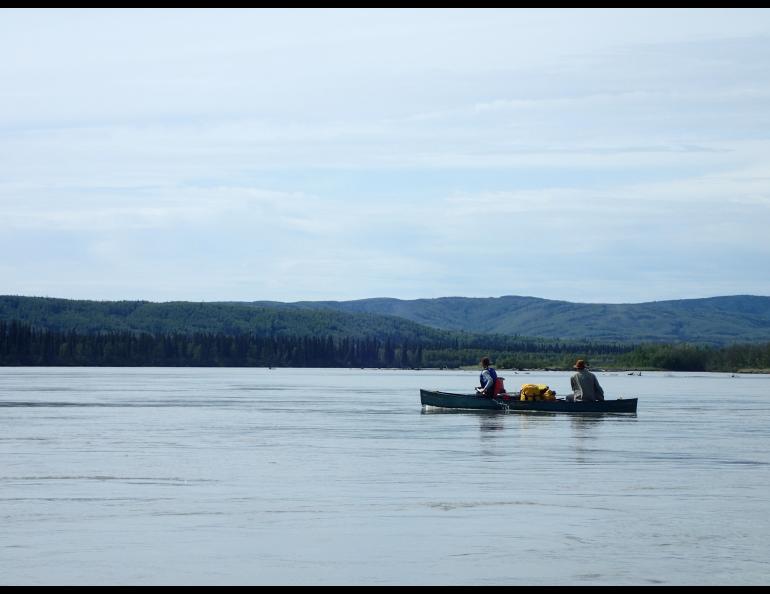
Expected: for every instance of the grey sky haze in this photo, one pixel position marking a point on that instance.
(586, 155)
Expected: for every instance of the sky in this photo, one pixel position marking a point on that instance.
(586, 155)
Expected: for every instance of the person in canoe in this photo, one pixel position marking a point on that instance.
(487, 379)
(585, 386)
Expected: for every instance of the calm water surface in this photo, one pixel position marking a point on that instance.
(307, 476)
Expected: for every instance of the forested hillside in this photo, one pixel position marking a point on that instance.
(715, 320)
(47, 331)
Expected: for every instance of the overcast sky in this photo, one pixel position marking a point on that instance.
(613, 156)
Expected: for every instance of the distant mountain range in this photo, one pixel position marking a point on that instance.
(714, 320)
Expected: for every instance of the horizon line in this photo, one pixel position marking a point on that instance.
(303, 301)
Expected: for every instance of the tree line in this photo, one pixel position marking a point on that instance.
(22, 344)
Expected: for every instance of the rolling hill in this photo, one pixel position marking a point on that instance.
(715, 320)
(186, 317)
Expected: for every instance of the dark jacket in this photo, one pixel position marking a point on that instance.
(487, 381)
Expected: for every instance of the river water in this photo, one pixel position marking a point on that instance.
(125, 476)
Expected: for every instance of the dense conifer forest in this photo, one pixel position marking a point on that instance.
(23, 344)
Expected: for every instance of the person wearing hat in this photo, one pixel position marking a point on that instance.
(585, 386)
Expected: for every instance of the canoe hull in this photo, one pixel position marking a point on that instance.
(475, 402)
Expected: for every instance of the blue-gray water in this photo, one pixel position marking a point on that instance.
(307, 476)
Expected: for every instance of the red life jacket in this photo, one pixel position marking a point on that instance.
(499, 387)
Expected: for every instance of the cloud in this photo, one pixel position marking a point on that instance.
(271, 154)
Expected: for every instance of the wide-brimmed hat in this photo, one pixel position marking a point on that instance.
(580, 364)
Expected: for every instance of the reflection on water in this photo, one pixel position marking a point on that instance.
(584, 436)
(491, 423)
(583, 423)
